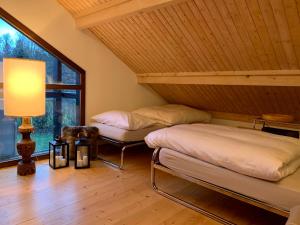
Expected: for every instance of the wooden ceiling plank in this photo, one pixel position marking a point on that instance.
(134, 48)
(199, 60)
(282, 24)
(154, 45)
(224, 21)
(282, 99)
(107, 40)
(200, 51)
(274, 105)
(271, 25)
(201, 37)
(293, 19)
(209, 90)
(238, 96)
(250, 102)
(219, 45)
(118, 10)
(256, 100)
(149, 49)
(163, 57)
(252, 33)
(176, 43)
(260, 25)
(253, 105)
(144, 50)
(199, 40)
(238, 41)
(222, 36)
(297, 102)
(130, 52)
(165, 42)
(120, 51)
(240, 27)
(170, 23)
(208, 34)
(201, 94)
(231, 100)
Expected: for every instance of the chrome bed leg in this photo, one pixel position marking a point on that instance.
(122, 157)
(121, 165)
(154, 161)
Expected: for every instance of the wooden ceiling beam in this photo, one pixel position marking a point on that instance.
(116, 9)
(253, 78)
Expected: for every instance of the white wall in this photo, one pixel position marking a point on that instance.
(110, 84)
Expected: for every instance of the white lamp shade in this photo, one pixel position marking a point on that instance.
(24, 87)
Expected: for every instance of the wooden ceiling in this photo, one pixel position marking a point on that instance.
(186, 47)
(249, 100)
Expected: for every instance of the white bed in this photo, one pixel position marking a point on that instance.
(246, 151)
(124, 135)
(128, 129)
(256, 167)
(284, 193)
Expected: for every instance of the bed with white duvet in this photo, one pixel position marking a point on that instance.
(259, 165)
(250, 152)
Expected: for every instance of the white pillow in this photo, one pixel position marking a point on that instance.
(174, 114)
(123, 120)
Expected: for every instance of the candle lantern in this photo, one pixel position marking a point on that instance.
(58, 153)
(82, 152)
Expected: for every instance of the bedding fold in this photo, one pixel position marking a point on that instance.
(250, 152)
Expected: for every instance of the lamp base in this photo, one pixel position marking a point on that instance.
(26, 147)
(26, 168)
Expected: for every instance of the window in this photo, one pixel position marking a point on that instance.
(65, 88)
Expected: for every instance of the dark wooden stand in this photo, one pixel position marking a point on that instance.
(26, 147)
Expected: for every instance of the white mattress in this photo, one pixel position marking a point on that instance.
(122, 134)
(284, 194)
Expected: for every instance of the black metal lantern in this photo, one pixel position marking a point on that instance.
(82, 153)
(58, 153)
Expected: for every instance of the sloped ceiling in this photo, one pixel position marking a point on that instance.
(200, 36)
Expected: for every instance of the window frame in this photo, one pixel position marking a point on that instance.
(61, 57)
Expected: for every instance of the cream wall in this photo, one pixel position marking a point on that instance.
(110, 83)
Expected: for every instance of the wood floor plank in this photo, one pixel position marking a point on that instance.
(103, 195)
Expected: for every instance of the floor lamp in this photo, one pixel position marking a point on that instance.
(24, 96)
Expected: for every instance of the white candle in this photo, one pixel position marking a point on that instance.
(63, 162)
(57, 161)
(79, 163)
(85, 160)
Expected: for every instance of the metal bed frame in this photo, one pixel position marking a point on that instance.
(155, 165)
(123, 145)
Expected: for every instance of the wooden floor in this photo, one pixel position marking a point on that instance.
(103, 195)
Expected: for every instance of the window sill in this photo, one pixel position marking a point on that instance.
(14, 161)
